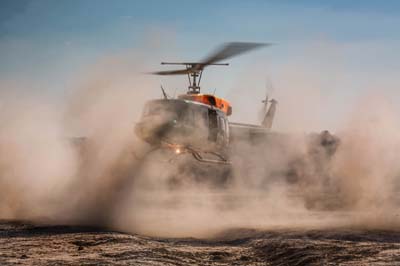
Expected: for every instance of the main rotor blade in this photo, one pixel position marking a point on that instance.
(226, 51)
(229, 50)
(173, 72)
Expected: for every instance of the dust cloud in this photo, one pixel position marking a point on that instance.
(285, 181)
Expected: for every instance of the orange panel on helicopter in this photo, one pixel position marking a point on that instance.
(209, 99)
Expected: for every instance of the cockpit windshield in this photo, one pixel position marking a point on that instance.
(161, 108)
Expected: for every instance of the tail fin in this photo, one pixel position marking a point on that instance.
(265, 102)
(269, 116)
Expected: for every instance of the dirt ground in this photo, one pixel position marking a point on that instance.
(23, 243)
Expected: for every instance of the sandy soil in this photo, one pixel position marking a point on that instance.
(28, 244)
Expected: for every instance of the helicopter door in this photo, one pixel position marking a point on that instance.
(212, 125)
(224, 135)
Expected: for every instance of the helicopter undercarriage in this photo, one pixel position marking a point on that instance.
(178, 150)
(203, 156)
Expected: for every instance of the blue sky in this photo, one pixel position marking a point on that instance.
(48, 43)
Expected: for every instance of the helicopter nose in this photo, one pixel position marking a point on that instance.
(150, 131)
(143, 131)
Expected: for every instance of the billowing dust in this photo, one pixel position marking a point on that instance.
(46, 176)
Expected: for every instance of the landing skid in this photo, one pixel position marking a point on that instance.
(197, 155)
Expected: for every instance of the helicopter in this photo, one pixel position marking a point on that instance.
(196, 123)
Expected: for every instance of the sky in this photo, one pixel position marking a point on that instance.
(345, 48)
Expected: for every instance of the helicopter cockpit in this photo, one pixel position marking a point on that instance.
(166, 109)
(181, 121)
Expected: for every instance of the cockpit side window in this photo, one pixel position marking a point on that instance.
(222, 123)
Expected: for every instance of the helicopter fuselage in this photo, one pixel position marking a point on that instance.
(183, 123)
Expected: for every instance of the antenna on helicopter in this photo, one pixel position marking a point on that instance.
(194, 70)
(164, 93)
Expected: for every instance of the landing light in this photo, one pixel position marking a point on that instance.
(178, 151)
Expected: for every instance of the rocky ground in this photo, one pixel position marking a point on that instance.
(29, 244)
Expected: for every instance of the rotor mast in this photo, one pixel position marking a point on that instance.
(194, 73)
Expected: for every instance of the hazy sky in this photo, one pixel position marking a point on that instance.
(349, 47)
